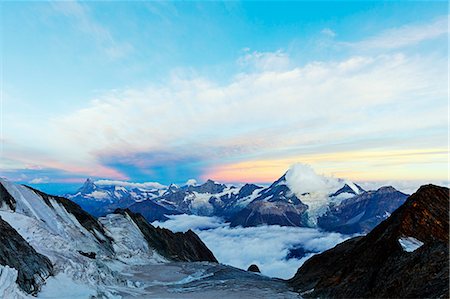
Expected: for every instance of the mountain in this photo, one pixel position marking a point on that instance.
(101, 199)
(152, 211)
(405, 256)
(362, 212)
(208, 199)
(348, 188)
(332, 204)
(45, 235)
(275, 205)
(33, 268)
(174, 246)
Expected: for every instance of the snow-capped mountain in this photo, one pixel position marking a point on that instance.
(361, 213)
(103, 197)
(208, 199)
(298, 198)
(405, 256)
(275, 205)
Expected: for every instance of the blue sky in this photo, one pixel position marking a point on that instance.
(236, 91)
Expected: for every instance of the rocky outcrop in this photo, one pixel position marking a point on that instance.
(382, 264)
(6, 199)
(271, 213)
(174, 246)
(33, 268)
(361, 213)
(253, 268)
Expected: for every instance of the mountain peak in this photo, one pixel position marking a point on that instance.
(88, 187)
(387, 189)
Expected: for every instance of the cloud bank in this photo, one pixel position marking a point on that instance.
(266, 246)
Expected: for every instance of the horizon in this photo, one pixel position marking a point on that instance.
(235, 92)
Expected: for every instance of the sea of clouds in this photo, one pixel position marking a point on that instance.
(265, 246)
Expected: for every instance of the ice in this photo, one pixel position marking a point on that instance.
(8, 287)
(410, 244)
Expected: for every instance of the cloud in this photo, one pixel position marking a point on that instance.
(311, 188)
(85, 22)
(182, 223)
(404, 36)
(272, 109)
(266, 246)
(42, 180)
(301, 179)
(191, 182)
(264, 61)
(328, 32)
(147, 185)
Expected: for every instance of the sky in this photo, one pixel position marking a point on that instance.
(233, 91)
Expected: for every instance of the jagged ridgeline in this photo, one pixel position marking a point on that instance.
(343, 207)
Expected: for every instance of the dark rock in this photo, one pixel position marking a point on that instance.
(376, 265)
(208, 187)
(275, 205)
(348, 189)
(361, 213)
(90, 255)
(33, 268)
(298, 252)
(174, 246)
(271, 213)
(253, 268)
(152, 211)
(6, 198)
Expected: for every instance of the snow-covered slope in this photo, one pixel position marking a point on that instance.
(80, 250)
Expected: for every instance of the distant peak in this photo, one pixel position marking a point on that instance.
(387, 189)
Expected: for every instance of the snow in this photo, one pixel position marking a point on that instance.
(410, 244)
(243, 202)
(62, 286)
(8, 286)
(98, 195)
(129, 243)
(353, 187)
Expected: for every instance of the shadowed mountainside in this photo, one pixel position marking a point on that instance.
(406, 256)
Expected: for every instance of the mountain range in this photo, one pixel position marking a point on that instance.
(346, 207)
(48, 238)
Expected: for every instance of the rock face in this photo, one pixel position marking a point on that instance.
(382, 264)
(152, 211)
(185, 247)
(275, 205)
(33, 268)
(253, 268)
(361, 213)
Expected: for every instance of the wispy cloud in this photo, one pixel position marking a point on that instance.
(271, 113)
(404, 36)
(85, 22)
(328, 32)
(42, 180)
